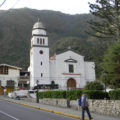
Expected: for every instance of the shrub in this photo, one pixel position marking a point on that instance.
(96, 94)
(73, 94)
(114, 95)
(94, 85)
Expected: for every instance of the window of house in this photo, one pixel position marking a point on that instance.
(10, 83)
(41, 63)
(0, 82)
(40, 41)
(3, 70)
(37, 40)
(71, 68)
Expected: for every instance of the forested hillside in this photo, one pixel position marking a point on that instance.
(63, 29)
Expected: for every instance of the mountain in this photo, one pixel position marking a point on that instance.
(63, 29)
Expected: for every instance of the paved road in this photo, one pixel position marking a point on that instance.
(11, 111)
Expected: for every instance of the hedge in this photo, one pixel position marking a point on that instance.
(73, 94)
(114, 95)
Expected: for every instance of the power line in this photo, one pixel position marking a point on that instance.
(3, 3)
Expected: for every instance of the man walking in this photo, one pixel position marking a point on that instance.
(84, 105)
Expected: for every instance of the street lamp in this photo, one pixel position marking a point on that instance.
(37, 97)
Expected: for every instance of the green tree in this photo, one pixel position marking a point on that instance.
(108, 15)
(94, 85)
(111, 66)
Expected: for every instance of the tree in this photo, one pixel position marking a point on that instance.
(108, 23)
(94, 85)
(111, 66)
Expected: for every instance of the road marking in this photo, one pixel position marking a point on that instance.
(8, 115)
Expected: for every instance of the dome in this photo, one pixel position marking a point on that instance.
(39, 29)
(38, 25)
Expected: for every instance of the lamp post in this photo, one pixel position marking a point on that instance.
(37, 98)
(105, 81)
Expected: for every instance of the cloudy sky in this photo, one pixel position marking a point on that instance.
(65, 6)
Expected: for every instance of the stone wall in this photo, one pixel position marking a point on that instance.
(107, 107)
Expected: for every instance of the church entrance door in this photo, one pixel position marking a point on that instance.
(71, 83)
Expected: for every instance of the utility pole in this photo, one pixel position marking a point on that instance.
(37, 97)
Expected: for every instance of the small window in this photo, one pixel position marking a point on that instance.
(41, 52)
(41, 63)
(3, 70)
(43, 41)
(41, 74)
(71, 68)
(40, 41)
(37, 40)
(0, 83)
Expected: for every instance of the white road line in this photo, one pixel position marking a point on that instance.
(8, 115)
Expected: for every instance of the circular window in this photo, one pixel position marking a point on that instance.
(41, 52)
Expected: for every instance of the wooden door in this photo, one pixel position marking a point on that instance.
(71, 83)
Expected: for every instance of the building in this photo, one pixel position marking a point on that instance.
(9, 77)
(67, 70)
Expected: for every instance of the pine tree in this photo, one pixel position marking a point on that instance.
(108, 24)
(111, 65)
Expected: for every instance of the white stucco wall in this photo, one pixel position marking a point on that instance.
(90, 71)
(37, 69)
(59, 69)
(13, 74)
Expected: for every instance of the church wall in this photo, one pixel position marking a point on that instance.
(62, 67)
(90, 71)
(53, 71)
(44, 68)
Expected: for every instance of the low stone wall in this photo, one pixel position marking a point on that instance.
(107, 107)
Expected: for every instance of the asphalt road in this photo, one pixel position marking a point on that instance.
(11, 111)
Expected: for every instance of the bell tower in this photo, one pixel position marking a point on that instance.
(39, 56)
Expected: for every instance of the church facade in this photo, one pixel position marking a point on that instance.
(67, 70)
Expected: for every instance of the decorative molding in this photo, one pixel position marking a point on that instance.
(40, 46)
(71, 60)
(40, 35)
(71, 73)
(39, 28)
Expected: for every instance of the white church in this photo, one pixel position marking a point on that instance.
(67, 70)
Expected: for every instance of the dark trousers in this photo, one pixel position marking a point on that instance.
(88, 112)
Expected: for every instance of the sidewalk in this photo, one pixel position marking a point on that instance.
(59, 110)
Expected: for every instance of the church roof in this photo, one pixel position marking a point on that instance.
(53, 57)
(38, 25)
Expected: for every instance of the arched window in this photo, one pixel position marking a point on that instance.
(37, 40)
(40, 41)
(41, 63)
(43, 41)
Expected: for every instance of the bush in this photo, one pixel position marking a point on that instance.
(114, 95)
(94, 85)
(96, 94)
(73, 94)
(52, 94)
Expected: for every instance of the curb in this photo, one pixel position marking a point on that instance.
(48, 110)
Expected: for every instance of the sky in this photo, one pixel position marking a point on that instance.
(65, 6)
